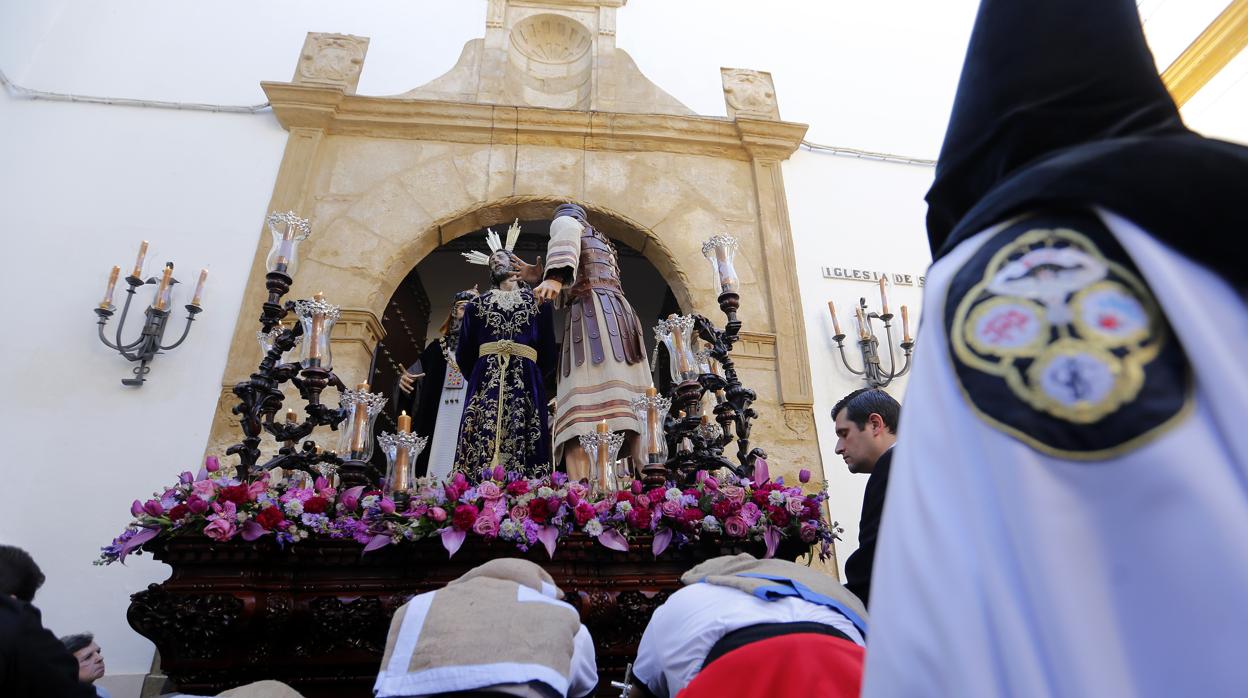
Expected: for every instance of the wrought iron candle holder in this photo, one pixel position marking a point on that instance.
(696, 442)
(869, 343)
(156, 316)
(260, 397)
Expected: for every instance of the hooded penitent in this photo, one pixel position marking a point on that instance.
(1060, 104)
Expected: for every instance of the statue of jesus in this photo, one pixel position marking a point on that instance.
(507, 344)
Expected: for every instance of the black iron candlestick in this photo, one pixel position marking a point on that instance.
(705, 444)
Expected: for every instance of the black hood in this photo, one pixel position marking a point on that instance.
(1059, 104)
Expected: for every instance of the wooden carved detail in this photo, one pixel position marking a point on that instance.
(197, 626)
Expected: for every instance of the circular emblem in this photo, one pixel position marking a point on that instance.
(1057, 340)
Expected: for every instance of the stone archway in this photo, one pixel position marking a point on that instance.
(386, 180)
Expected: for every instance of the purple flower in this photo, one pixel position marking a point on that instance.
(460, 481)
(500, 473)
(636, 488)
(386, 505)
(211, 464)
(153, 507)
(809, 531)
(558, 479)
(136, 509)
(803, 476)
(186, 477)
(711, 484)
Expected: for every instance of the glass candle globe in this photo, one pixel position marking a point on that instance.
(318, 318)
(288, 231)
(720, 250)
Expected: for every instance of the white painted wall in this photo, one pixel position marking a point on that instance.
(81, 184)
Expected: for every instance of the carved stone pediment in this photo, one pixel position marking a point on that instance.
(557, 54)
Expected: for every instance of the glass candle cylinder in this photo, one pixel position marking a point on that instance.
(318, 318)
(164, 292)
(362, 409)
(720, 251)
(676, 334)
(401, 451)
(288, 231)
(268, 339)
(107, 303)
(602, 447)
(651, 409)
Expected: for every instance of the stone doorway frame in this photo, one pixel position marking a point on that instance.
(385, 181)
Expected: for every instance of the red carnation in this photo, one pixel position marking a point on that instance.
(691, 515)
(239, 494)
(539, 511)
(625, 496)
(178, 512)
(778, 516)
(724, 508)
(639, 518)
(316, 505)
(584, 512)
(465, 515)
(270, 518)
(518, 488)
(760, 497)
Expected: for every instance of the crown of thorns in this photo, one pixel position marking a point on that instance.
(491, 239)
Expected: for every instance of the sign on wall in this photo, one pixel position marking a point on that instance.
(873, 277)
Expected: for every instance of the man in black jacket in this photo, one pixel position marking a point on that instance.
(866, 429)
(32, 661)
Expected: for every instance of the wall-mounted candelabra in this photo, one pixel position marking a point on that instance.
(869, 343)
(156, 315)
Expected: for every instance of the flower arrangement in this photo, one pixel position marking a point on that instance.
(501, 505)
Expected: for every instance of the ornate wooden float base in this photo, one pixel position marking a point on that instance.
(315, 615)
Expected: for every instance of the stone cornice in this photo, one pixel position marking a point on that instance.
(770, 140)
(336, 113)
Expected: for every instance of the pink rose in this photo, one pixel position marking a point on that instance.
(485, 526)
(670, 509)
(581, 490)
(204, 488)
(519, 512)
(794, 505)
(809, 531)
(221, 529)
(736, 527)
(643, 501)
(734, 493)
(603, 506)
(438, 514)
(750, 513)
(489, 490)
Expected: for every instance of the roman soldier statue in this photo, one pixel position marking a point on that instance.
(603, 364)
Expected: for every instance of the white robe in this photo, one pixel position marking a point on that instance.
(1002, 571)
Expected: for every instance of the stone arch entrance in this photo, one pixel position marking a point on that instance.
(387, 180)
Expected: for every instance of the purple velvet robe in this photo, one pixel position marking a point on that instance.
(523, 442)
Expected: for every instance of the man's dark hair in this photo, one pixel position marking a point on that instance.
(19, 575)
(862, 403)
(73, 643)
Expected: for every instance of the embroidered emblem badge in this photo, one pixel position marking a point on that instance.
(1058, 341)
